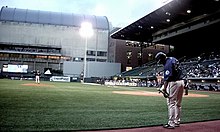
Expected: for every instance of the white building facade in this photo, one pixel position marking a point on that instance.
(43, 39)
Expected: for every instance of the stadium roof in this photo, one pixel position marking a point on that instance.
(176, 18)
(54, 18)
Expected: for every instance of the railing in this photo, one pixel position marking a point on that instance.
(29, 60)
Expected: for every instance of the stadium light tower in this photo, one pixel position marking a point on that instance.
(86, 31)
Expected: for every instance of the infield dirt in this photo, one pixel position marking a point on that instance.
(37, 85)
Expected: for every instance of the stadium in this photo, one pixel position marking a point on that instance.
(43, 39)
(129, 101)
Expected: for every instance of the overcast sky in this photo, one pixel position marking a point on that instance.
(119, 12)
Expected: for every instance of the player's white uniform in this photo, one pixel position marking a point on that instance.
(37, 77)
(175, 90)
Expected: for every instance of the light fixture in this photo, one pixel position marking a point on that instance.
(140, 26)
(86, 31)
(167, 13)
(188, 11)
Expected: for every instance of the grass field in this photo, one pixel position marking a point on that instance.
(55, 106)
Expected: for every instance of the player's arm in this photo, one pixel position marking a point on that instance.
(167, 77)
(168, 73)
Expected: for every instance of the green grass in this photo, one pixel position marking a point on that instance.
(75, 106)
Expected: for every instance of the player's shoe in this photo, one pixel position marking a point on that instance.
(177, 125)
(168, 126)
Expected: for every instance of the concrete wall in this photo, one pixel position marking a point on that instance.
(94, 69)
(72, 69)
(103, 69)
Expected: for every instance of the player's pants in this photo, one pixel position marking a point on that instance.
(175, 90)
(37, 79)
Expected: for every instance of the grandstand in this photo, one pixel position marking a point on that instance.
(201, 72)
(190, 26)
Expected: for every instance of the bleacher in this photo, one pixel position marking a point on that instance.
(148, 70)
(202, 72)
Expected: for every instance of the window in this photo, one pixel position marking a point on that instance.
(171, 48)
(29, 56)
(77, 59)
(41, 57)
(66, 58)
(53, 51)
(129, 61)
(91, 53)
(4, 55)
(101, 53)
(90, 59)
(54, 57)
(16, 55)
(139, 55)
(150, 56)
(128, 68)
(101, 60)
(129, 54)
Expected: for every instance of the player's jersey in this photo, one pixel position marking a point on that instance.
(37, 74)
(172, 72)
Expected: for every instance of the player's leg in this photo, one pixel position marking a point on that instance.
(172, 89)
(39, 79)
(180, 85)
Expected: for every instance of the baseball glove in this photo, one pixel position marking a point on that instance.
(161, 90)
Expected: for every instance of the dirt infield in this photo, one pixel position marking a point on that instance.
(207, 126)
(145, 93)
(37, 85)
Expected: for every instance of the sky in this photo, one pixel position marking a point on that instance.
(120, 13)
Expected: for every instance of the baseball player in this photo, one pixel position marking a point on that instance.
(37, 76)
(186, 86)
(173, 86)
